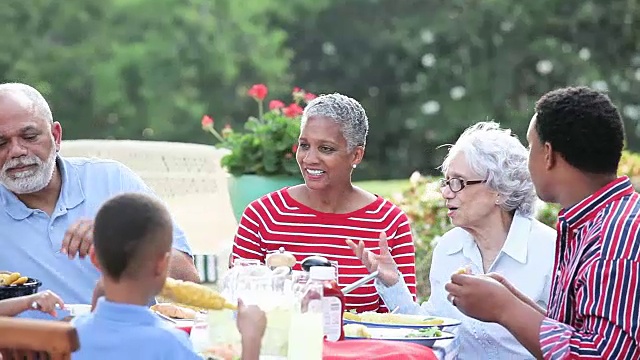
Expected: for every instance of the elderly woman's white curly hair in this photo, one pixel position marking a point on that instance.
(495, 154)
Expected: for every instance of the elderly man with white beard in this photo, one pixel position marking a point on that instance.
(49, 202)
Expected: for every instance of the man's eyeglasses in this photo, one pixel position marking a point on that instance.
(457, 184)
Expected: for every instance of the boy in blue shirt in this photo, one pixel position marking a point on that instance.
(132, 248)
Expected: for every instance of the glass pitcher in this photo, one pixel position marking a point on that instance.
(241, 268)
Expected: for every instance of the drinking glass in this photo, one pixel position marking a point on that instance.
(199, 334)
(306, 332)
(269, 292)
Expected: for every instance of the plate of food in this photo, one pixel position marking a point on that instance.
(174, 311)
(77, 309)
(180, 316)
(14, 284)
(70, 311)
(426, 336)
(387, 320)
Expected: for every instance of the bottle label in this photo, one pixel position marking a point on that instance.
(332, 313)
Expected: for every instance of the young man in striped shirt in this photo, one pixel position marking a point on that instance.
(576, 139)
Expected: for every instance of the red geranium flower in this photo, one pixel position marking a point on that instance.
(275, 104)
(258, 91)
(293, 110)
(207, 121)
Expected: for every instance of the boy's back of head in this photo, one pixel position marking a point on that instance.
(132, 239)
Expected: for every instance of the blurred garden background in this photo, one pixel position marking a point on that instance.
(424, 70)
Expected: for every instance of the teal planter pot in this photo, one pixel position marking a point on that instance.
(246, 188)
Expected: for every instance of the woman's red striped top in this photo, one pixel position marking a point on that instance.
(277, 220)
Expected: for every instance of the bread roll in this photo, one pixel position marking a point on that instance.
(464, 270)
(174, 311)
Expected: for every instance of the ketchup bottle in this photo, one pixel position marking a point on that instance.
(332, 301)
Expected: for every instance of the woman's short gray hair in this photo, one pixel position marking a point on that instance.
(345, 111)
(30, 98)
(497, 155)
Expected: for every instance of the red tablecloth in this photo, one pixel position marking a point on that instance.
(376, 350)
(370, 350)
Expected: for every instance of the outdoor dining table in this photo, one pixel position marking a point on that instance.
(372, 349)
(388, 350)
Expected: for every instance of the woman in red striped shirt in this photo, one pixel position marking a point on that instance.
(317, 217)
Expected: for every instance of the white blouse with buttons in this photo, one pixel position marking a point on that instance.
(526, 260)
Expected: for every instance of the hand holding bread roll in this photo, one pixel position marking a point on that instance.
(464, 270)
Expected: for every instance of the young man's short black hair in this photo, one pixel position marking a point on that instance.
(583, 126)
(126, 226)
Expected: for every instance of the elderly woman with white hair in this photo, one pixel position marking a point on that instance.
(317, 217)
(490, 197)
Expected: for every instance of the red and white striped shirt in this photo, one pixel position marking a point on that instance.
(594, 309)
(277, 220)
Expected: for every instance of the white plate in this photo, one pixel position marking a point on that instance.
(401, 335)
(77, 309)
(446, 322)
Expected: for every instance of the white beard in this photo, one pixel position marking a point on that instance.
(31, 180)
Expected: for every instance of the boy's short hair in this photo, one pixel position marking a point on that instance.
(127, 227)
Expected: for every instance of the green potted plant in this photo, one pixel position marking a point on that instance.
(261, 158)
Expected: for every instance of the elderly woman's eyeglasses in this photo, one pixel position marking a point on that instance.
(457, 184)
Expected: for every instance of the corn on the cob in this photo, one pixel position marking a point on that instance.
(194, 295)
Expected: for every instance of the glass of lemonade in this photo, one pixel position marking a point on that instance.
(269, 293)
(306, 332)
(275, 343)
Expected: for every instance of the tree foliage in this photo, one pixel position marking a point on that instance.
(141, 68)
(427, 69)
(423, 69)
